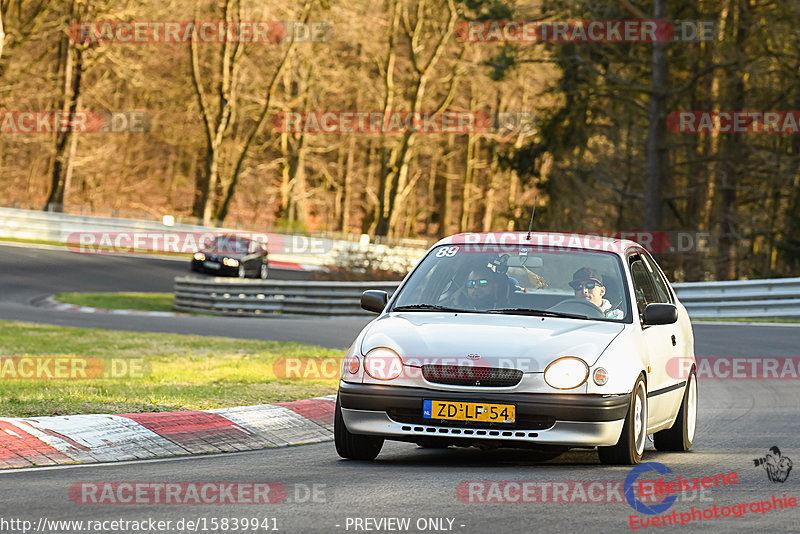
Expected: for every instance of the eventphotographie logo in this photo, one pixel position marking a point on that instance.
(775, 464)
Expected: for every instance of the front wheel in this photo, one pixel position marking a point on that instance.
(353, 446)
(630, 447)
(681, 436)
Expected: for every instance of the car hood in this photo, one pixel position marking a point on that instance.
(488, 340)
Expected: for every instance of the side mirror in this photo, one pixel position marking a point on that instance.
(374, 300)
(657, 313)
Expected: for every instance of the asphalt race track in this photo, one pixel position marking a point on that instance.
(739, 420)
(28, 274)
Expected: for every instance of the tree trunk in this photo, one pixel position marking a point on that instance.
(465, 220)
(347, 193)
(66, 142)
(656, 129)
(488, 212)
(2, 34)
(430, 197)
(732, 156)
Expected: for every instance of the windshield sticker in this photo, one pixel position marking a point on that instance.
(446, 252)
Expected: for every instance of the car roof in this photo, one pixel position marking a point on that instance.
(546, 239)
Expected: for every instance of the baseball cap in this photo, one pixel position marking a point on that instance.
(585, 274)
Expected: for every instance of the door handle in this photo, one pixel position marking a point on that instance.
(674, 342)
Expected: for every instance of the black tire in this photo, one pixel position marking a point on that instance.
(681, 436)
(630, 447)
(353, 446)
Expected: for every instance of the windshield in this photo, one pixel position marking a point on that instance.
(519, 280)
(227, 244)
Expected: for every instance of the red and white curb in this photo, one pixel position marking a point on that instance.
(37, 441)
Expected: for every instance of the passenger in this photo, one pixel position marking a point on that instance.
(588, 285)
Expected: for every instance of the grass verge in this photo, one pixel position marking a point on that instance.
(121, 301)
(180, 372)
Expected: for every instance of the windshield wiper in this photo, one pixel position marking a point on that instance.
(538, 313)
(427, 307)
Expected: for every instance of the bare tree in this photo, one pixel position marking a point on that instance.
(71, 69)
(395, 183)
(2, 33)
(215, 191)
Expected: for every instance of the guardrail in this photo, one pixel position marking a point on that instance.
(779, 297)
(748, 298)
(272, 297)
(321, 251)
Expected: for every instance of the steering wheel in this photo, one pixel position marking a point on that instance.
(579, 307)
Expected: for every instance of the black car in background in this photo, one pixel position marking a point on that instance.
(231, 255)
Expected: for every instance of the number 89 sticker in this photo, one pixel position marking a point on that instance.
(446, 252)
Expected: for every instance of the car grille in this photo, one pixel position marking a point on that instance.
(414, 417)
(465, 375)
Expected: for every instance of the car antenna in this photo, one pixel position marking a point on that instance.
(530, 226)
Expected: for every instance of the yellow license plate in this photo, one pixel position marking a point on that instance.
(469, 411)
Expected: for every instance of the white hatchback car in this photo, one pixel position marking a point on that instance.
(545, 341)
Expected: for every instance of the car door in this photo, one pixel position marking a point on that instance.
(662, 393)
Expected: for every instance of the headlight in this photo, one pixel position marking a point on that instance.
(566, 373)
(383, 364)
(199, 256)
(230, 262)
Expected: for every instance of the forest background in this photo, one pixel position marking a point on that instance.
(597, 155)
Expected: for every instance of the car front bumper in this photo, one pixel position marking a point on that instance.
(575, 420)
(223, 270)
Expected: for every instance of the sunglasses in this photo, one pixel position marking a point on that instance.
(587, 285)
(479, 283)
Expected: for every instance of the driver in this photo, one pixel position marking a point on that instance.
(588, 285)
(484, 288)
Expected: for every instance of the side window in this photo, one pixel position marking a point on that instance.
(642, 284)
(660, 283)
